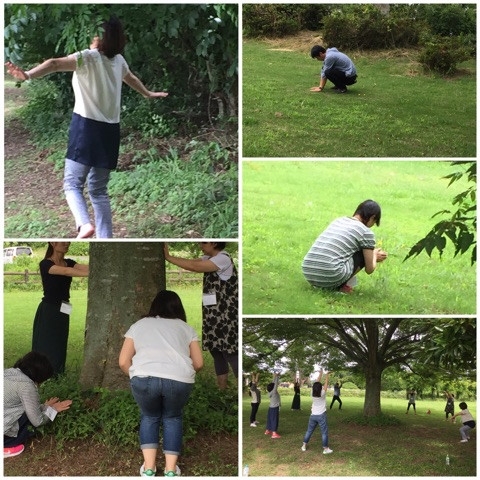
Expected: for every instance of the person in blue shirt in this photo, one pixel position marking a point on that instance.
(337, 67)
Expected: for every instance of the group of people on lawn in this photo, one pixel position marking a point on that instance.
(318, 415)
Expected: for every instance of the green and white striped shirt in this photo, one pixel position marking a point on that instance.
(329, 262)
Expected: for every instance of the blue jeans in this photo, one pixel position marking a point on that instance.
(75, 176)
(321, 421)
(161, 400)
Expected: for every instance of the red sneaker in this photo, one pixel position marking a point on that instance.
(13, 451)
(276, 435)
(268, 432)
(345, 289)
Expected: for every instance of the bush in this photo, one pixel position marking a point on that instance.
(443, 54)
(45, 115)
(449, 19)
(364, 26)
(198, 192)
(112, 417)
(270, 20)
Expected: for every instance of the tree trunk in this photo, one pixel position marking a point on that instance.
(372, 405)
(373, 371)
(124, 279)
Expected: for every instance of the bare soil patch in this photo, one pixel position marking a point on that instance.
(206, 455)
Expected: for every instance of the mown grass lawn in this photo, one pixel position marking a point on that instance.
(19, 312)
(394, 110)
(417, 447)
(286, 204)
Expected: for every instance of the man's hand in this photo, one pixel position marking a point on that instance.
(316, 89)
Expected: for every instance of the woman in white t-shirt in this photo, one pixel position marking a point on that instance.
(94, 134)
(319, 414)
(161, 354)
(219, 305)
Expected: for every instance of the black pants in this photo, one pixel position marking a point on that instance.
(221, 360)
(253, 414)
(335, 397)
(339, 79)
(22, 436)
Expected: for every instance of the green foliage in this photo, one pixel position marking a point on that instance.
(112, 417)
(443, 54)
(273, 20)
(211, 409)
(461, 227)
(196, 193)
(448, 19)
(363, 26)
(44, 113)
(190, 50)
(452, 345)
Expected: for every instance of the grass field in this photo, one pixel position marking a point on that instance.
(286, 204)
(20, 308)
(417, 447)
(394, 110)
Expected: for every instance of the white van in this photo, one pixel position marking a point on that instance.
(10, 253)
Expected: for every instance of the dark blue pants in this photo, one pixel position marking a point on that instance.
(272, 418)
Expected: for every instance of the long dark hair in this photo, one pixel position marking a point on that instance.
(49, 251)
(112, 41)
(167, 304)
(35, 366)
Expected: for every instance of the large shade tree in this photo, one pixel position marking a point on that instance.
(124, 278)
(365, 346)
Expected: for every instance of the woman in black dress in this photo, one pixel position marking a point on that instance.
(52, 320)
(296, 396)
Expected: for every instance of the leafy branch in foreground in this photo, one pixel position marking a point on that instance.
(461, 227)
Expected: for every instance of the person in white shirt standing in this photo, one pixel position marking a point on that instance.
(94, 134)
(319, 414)
(161, 354)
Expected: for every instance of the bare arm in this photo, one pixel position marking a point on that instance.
(81, 267)
(134, 82)
(68, 271)
(325, 386)
(196, 356)
(372, 257)
(126, 355)
(194, 265)
(63, 64)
